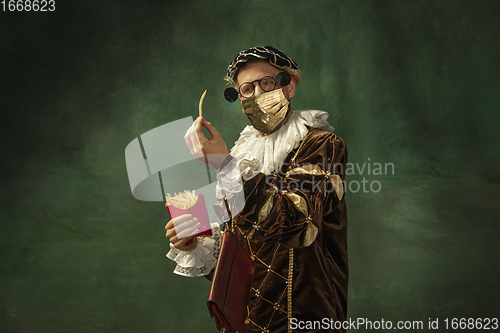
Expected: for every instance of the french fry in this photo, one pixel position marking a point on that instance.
(201, 103)
(183, 200)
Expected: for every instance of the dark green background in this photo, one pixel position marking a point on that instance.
(414, 83)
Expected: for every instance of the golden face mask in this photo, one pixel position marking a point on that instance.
(267, 111)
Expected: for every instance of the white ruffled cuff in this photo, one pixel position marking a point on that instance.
(228, 180)
(201, 260)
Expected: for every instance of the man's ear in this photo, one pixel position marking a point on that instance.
(291, 87)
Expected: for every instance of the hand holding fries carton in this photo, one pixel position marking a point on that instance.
(188, 202)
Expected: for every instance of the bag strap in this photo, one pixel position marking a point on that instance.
(231, 221)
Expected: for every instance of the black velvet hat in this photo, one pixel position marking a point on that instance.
(276, 58)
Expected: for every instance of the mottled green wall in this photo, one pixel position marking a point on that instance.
(413, 83)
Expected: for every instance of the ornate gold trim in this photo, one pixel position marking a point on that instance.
(311, 233)
(266, 209)
(310, 169)
(299, 202)
(338, 185)
(289, 282)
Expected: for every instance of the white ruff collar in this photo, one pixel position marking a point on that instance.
(256, 153)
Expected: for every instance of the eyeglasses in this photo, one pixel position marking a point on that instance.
(267, 83)
(247, 89)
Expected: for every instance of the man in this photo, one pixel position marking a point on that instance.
(293, 222)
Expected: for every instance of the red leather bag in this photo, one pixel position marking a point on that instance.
(231, 283)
